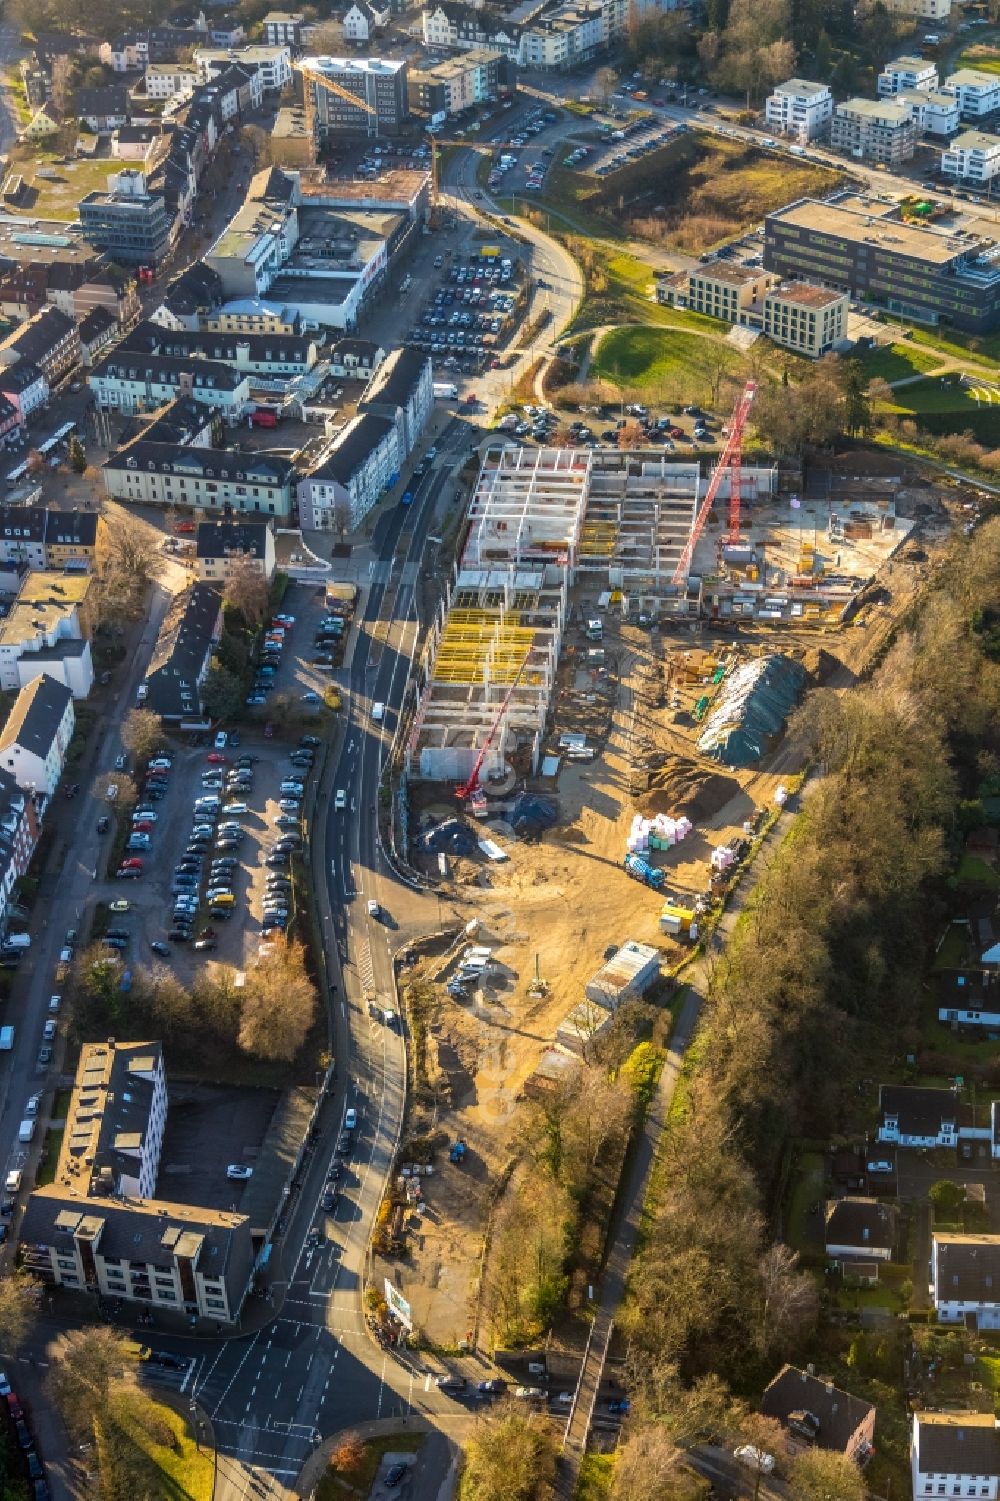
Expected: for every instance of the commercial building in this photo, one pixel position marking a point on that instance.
(907, 72)
(36, 737)
(916, 272)
(128, 222)
(25, 387)
(810, 321)
(378, 83)
(291, 142)
(183, 651)
(978, 94)
(458, 83)
(223, 546)
(955, 1454)
(210, 479)
(972, 157)
(274, 64)
(800, 109)
(874, 130)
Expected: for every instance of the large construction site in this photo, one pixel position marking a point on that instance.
(665, 542)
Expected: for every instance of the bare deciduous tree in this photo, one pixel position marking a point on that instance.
(246, 590)
(279, 1004)
(142, 733)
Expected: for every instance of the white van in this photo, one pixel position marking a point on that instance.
(26, 1130)
(378, 713)
(13, 1181)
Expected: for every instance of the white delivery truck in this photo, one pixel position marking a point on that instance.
(445, 390)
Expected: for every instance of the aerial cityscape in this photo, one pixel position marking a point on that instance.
(499, 750)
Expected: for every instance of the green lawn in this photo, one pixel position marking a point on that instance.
(151, 1450)
(983, 59)
(959, 1048)
(808, 1187)
(49, 1159)
(955, 948)
(679, 365)
(975, 872)
(336, 1486)
(898, 361)
(943, 405)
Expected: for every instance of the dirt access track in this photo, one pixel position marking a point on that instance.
(567, 900)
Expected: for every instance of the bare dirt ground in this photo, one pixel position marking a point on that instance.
(565, 900)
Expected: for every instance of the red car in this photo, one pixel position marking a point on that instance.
(142, 827)
(16, 1410)
(132, 863)
(676, 432)
(184, 526)
(217, 758)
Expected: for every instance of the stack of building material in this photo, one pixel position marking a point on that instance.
(659, 833)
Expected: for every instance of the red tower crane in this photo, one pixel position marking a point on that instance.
(731, 459)
(468, 789)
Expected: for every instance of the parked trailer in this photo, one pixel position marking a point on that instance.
(639, 870)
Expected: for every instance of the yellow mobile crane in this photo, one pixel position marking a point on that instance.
(313, 75)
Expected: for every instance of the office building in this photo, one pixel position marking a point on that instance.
(800, 109)
(916, 272)
(874, 130)
(380, 86)
(810, 321)
(128, 222)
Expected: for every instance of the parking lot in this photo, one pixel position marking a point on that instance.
(475, 309)
(538, 424)
(627, 143)
(209, 1129)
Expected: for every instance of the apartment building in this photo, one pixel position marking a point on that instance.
(978, 94)
(916, 272)
(283, 28)
(128, 222)
(210, 479)
(161, 1255)
(36, 737)
(19, 831)
(25, 387)
(380, 85)
(223, 546)
(722, 290)
(955, 1454)
(564, 37)
(874, 130)
(46, 631)
(935, 111)
(183, 651)
(920, 10)
(142, 382)
(800, 109)
(973, 158)
(166, 80)
(280, 355)
(908, 72)
(810, 321)
(117, 1115)
(352, 476)
(274, 64)
(363, 19)
(35, 538)
(49, 342)
(457, 83)
(451, 24)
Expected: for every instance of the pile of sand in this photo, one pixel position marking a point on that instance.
(818, 663)
(681, 786)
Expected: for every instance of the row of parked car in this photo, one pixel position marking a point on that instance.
(25, 1440)
(153, 789)
(272, 646)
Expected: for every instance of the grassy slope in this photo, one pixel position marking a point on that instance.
(174, 1472)
(898, 361)
(650, 357)
(359, 1481)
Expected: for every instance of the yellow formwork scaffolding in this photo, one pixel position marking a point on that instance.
(597, 539)
(477, 646)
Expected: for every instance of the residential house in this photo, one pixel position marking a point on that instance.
(75, 542)
(273, 63)
(564, 37)
(842, 1423)
(354, 359)
(104, 109)
(191, 297)
(904, 73)
(25, 387)
(965, 1279)
(136, 143)
(36, 737)
(363, 18)
(98, 331)
(911, 1116)
(284, 355)
(182, 654)
(955, 1454)
(49, 341)
(46, 631)
(142, 382)
(11, 431)
(47, 121)
(935, 112)
(223, 546)
(352, 475)
(800, 109)
(36, 79)
(212, 479)
(859, 1231)
(978, 94)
